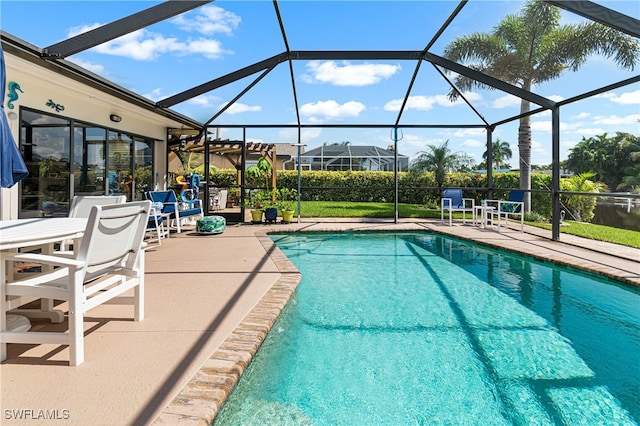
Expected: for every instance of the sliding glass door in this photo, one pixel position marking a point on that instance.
(89, 160)
(46, 146)
(120, 165)
(67, 158)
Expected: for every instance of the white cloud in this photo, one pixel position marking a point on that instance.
(475, 132)
(614, 120)
(506, 101)
(94, 68)
(606, 95)
(589, 131)
(421, 103)
(541, 126)
(211, 49)
(556, 98)
(473, 143)
(413, 144)
(536, 148)
(307, 135)
(155, 95)
(205, 101)
(580, 116)
(144, 45)
(208, 20)
(322, 110)
(545, 126)
(74, 31)
(628, 98)
(238, 108)
(348, 74)
(426, 103)
(568, 143)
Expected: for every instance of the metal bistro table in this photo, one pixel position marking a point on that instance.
(36, 233)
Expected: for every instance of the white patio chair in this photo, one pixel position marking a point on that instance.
(109, 261)
(157, 229)
(81, 204)
(81, 207)
(513, 206)
(453, 201)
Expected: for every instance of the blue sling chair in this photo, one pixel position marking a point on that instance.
(452, 201)
(512, 206)
(171, 207)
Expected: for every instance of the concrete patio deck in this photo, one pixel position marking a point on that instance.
(210, 300)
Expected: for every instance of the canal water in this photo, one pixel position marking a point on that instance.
(618, 215)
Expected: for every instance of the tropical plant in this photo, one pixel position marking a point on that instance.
(256, 199)
(580, 207)
(533, 47)
(260, 170)
(200, 170)
(611, 159)
(500, 152)
(286, 198)
(438, 160)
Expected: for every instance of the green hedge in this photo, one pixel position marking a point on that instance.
(414, 188)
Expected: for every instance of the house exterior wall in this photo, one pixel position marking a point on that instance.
(47, 91)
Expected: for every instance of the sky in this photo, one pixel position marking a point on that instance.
(211, 41)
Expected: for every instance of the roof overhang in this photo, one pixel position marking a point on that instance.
(23, 50)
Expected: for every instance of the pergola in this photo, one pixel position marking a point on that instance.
(258, 70)
(234, 151)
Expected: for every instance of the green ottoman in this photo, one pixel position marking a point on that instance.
(211, 225)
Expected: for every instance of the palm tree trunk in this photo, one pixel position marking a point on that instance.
(524, 149)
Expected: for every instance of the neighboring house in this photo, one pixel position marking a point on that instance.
(348, 157)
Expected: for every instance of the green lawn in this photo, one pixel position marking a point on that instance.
(382, 210)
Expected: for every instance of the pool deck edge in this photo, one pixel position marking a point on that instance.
(200, 400)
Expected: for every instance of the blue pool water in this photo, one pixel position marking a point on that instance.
(420, 329)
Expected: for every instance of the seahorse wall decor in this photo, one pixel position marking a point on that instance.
(12, 93)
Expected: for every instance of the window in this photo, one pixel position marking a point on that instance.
(66, 158)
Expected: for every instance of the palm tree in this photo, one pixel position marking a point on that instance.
(531, 48)
(500, 152)
(438, 160)
(581, 208)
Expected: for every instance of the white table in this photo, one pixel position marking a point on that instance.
(38, 232)
(22, 233)
(482, 212)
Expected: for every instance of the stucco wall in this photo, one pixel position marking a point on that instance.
(44, 90)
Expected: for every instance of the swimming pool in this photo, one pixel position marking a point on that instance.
(417, 328)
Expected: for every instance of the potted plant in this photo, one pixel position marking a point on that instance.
(264, 197)
(287, 197)
(255, 203)
(271, 204)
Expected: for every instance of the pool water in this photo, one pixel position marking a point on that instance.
(420, 329)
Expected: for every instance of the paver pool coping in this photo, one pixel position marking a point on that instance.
(200, 400)
(204, 395)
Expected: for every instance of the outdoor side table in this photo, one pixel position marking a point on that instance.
(483, 213)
